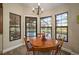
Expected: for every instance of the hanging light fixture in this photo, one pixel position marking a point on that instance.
(38, 10)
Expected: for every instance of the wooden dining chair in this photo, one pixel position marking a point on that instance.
(28, 45)
(57, 49)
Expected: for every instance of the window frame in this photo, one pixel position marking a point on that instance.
(10, 14)
(46, 26)
(61, 26)
(26, 26)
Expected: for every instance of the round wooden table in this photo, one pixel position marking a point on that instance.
(47, 45)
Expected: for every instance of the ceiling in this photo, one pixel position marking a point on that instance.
(45, 6)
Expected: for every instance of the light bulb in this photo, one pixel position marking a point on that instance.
(33, 9)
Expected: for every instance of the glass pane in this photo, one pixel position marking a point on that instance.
(64, 21)
(59, 24)
(58, 17)
(59, 30)
(64, 37)
(31, 34)
(31, 29)
(46, 22)
(64, 31)
(64, 24)
(47, 32)
(45, 29)
(64, 16)
(43, 24)
(59, 21)
(57, 35)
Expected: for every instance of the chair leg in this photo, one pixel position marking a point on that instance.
(60, 52)
(26, 53)
(38, 52)
(53, 52)
(33, 52)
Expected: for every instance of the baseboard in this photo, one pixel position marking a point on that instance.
(11, 48)
(70, 51)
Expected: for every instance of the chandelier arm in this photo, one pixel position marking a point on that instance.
(38, 10)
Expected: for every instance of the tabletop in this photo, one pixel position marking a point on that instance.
(38, 44)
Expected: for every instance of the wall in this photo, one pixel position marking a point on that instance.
(17, 9)
(74, 28)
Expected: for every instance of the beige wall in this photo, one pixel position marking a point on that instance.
(17, 9)
(74, 28)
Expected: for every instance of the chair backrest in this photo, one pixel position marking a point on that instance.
(25, 40)
(27, 44)
(61, 41)
(60, 44)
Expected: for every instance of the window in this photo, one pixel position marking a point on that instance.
(14, 27)
(61, 26)
(46, 26)
(31, 27)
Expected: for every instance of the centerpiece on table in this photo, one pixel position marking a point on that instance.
(43, 37)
